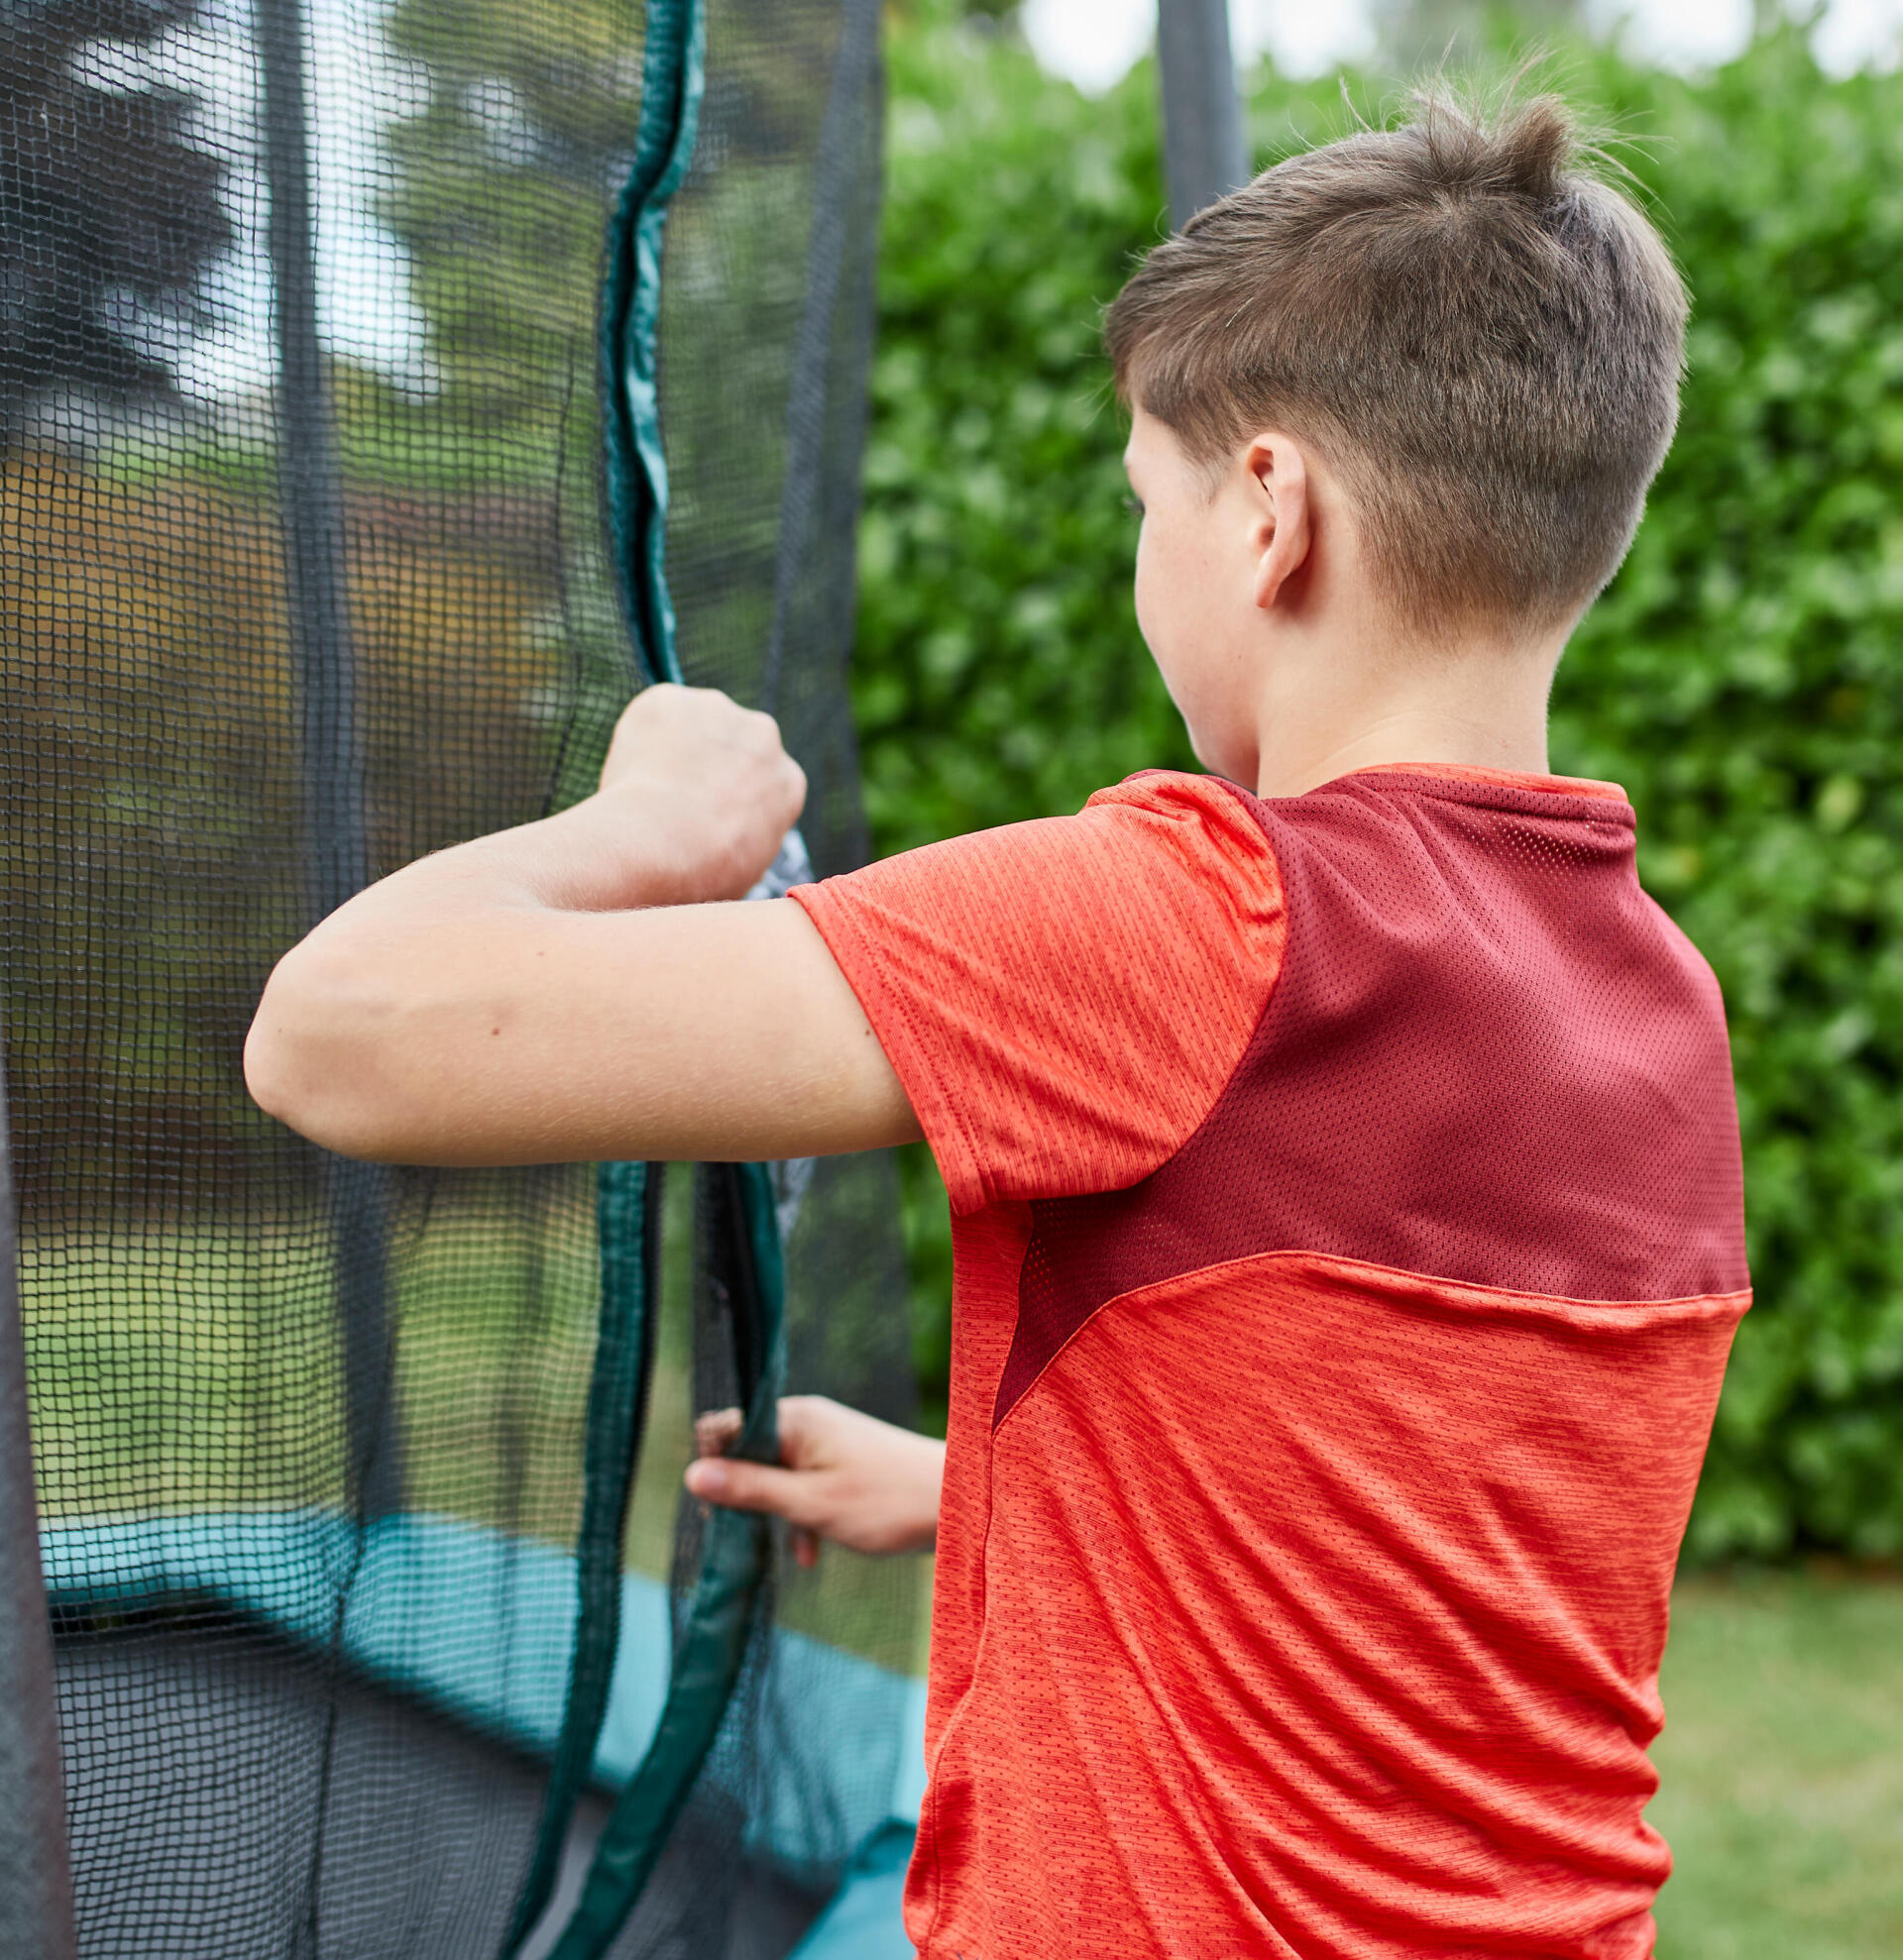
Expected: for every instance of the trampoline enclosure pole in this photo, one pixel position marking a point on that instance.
(1205, 155)
(336, 839)
(36, 1884)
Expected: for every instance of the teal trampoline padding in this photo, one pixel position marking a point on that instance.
(465, 1618)
(474, 1622)
(866, 1921)
(908, 1797)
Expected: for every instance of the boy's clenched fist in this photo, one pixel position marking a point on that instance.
(703, 789)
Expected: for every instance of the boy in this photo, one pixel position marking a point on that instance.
(1342, 1147)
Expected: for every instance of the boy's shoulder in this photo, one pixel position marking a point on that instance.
(1061, 998)
(1067, 1000)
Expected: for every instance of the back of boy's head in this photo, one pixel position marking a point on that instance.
(1483, 340)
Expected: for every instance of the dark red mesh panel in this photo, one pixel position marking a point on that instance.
(1490, 1058)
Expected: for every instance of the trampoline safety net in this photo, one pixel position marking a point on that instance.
(386, 387)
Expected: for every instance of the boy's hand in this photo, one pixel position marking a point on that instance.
(862, 1482)
(702, 787)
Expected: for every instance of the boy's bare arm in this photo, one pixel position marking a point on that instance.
(570, 990)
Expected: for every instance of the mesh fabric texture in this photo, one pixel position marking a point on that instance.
(303, 573)
(1471, 978)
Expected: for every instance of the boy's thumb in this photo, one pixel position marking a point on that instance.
(740, 1486)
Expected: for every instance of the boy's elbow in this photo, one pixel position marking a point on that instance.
(311, 1058)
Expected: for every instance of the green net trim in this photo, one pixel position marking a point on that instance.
(736, 1551)
(629, 1221)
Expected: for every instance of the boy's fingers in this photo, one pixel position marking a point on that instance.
(713, 1432)
(802, 1426)
(803, 1422)
(746, 1486)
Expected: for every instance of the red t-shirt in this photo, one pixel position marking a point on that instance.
(1349, 1242)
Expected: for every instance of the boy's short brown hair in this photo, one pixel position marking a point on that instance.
(1480, 338)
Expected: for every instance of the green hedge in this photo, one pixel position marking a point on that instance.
(1743, 676)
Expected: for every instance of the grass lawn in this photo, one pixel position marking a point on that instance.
(198, 1370)
(1782, 1767)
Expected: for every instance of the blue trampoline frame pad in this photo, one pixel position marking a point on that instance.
(480, 1625)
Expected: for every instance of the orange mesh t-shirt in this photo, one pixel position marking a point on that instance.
(1349, 1242)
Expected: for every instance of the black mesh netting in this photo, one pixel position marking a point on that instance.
(303, 571)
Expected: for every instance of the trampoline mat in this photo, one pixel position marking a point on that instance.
(227, 1746)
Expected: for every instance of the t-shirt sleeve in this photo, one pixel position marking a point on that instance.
(1063, 999)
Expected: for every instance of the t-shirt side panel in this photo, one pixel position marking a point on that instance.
(1341, 1594)
(988, 1253)
(1062, 1000)
(988, 1256)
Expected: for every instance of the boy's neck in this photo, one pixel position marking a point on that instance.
(1481, 705)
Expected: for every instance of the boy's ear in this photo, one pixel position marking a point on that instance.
(1282, 532)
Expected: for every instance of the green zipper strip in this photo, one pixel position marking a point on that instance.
(629, 1211)
(673, 81)
(724, 1611)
